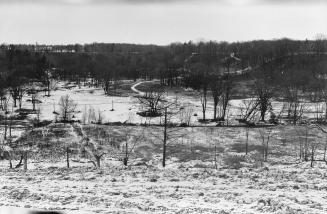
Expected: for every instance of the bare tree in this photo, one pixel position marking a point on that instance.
(96, 142)
(21, 93)
(216, 90)
(4, 117)
(265, 134)
(49, 81)
(204, 92)
(153, 101)
(34, 98)
(294, 104)
(203, 99)
(247, 131)
(96, 149)
(23, 146)
(264, 95)
(320, 46)
(107, 83)
(91, 115)
(10, 118)
(225, 97)
(108, 77)
(129, 141)
(185, 115)
(304, 141)
(67, 108)
(314, 147)
(14, 92)
(170, 134)
(3, 98)
(100, 117)
(308, 143)
(323, 96)
(249, 110)
(84, 115)
(214, 143)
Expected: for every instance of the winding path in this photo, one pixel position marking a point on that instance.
(141, 93)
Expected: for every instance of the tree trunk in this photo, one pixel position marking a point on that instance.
(225, 104)
(262, 114)
(25, 161)
(204, 114)
(5, 123)
(20, 162)
(301, 150)
(247, 141)
(98, 160)
(215, 111)
(266, 155)
(10, 162)
(216, 165)
(306, 146)
(312, 157)
(126, 154)
(20, 103)
(164, 141)
(204, 104)
(10, 127)
(263, 149)
(48, 89)
(67, 157)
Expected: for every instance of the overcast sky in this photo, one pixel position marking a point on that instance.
(159, 21)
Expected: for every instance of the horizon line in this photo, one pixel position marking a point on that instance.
(174, 42)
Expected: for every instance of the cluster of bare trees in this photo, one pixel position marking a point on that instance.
(30, 139)
(90, 115)
(67, 107)
(18, 90)
(153, 101)
(209, 71)
(98, 143)
(265, 135)
(311, 146)
(157, 106)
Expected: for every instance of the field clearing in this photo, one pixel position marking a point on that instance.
(207, 169)
(189, 183)
(126, 105)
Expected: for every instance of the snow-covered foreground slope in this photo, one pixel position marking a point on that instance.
(287, 189)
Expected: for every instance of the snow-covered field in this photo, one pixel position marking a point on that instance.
(189, 184)
(124, 108)
(207, 170)
(293, 188)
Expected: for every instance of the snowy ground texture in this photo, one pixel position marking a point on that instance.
(124, 108)
(288, 189)
(189, 184)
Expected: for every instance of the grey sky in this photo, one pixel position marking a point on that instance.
(158, 21)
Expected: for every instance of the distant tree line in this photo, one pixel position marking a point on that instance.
(213, 68)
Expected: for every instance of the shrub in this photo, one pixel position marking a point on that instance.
(234, 161)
